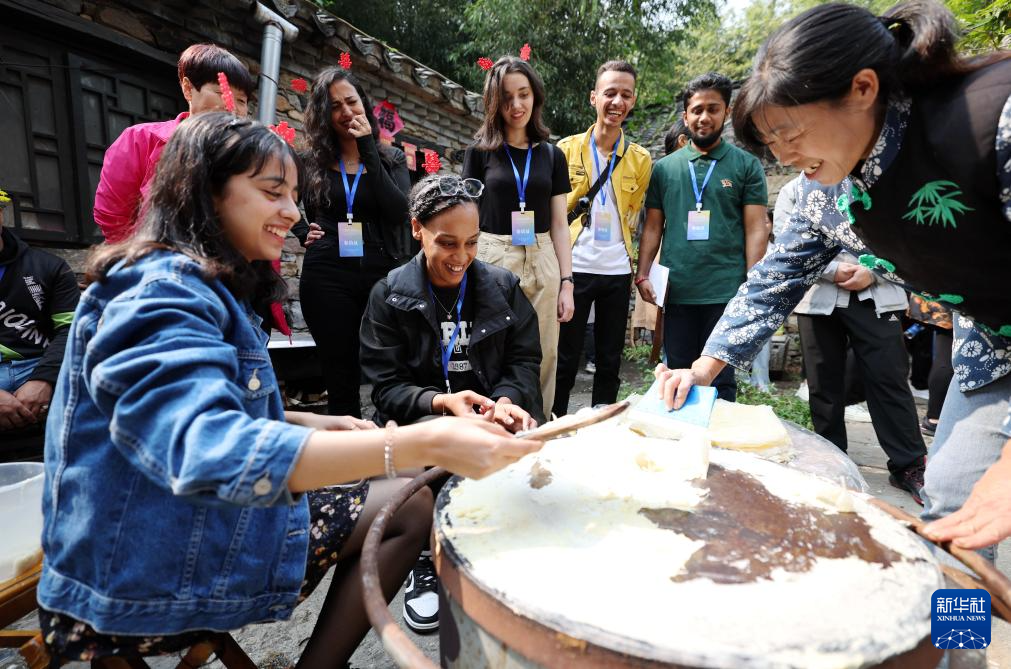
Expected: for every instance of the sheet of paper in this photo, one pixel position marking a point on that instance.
(658, 277)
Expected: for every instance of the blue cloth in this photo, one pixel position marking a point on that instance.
(816, 233)
(166, 506)
(14, 373)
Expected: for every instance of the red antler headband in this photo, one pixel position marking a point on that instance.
(226, 92)
(284, 131)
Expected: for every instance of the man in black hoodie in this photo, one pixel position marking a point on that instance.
(38, 295)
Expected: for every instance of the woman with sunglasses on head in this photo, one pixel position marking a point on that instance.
(179, 496)
(523, 209)
(906, 152)
(447, 334)
(356, 225)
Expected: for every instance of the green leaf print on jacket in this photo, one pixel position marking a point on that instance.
(932, 205)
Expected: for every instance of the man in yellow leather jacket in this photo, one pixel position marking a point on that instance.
(602, 233)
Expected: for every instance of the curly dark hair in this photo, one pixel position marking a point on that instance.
(428, 201)
(323, 147)
(202, 155)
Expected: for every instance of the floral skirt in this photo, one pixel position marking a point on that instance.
(333, 513)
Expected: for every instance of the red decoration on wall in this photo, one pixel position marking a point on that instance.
(345, 60)
(387, 119)
(525, 52)
(299, 85)
(485, 63)
(226, 92)
(409, 155)
(284, 131)
(432, 163)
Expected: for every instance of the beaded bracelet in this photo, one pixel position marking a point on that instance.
(391, 471)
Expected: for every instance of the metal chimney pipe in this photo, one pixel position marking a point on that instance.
(276, 29)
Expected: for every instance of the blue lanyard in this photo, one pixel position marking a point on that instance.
(695, 182)
(521, 186)
(610, 169)
(3, 270)
(447, 351)
(351, 191)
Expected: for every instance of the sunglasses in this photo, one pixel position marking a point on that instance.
(451, 185)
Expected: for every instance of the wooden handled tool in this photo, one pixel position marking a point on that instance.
(990, 579)
(566, 425)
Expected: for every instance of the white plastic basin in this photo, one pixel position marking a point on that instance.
(20, 517)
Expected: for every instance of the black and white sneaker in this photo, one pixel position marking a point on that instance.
(421, 596)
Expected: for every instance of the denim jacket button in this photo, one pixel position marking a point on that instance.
(254, 382)
(263, 486)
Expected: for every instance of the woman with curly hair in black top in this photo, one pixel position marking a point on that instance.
(356, 227)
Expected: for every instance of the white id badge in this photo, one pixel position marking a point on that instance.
(698, 225)
(523, 228)
(602, 226)
(349, 238)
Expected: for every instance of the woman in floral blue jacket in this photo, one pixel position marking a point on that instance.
(906, 153)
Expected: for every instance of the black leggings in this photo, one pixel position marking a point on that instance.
(334, 295)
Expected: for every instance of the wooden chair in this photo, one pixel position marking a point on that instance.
(17, 599)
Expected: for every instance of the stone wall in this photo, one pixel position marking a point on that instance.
(438, 113)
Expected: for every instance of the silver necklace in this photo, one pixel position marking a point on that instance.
(449, 312)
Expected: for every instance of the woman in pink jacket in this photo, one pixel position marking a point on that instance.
(129, 163)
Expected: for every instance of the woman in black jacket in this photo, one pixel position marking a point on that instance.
(447, 333)
(355, 196)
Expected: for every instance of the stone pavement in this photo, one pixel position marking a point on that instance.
(275, 646)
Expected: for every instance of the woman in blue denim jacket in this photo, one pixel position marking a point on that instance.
(180, 496)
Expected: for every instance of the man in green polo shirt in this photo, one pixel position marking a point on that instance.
(708, 203)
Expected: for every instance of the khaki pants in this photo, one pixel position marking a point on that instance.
(537, 268)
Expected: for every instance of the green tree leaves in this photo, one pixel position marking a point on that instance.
(569, 40)
(669, 41)
(987, 24)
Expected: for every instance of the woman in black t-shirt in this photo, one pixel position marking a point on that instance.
(523, 210)
(349, 176)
